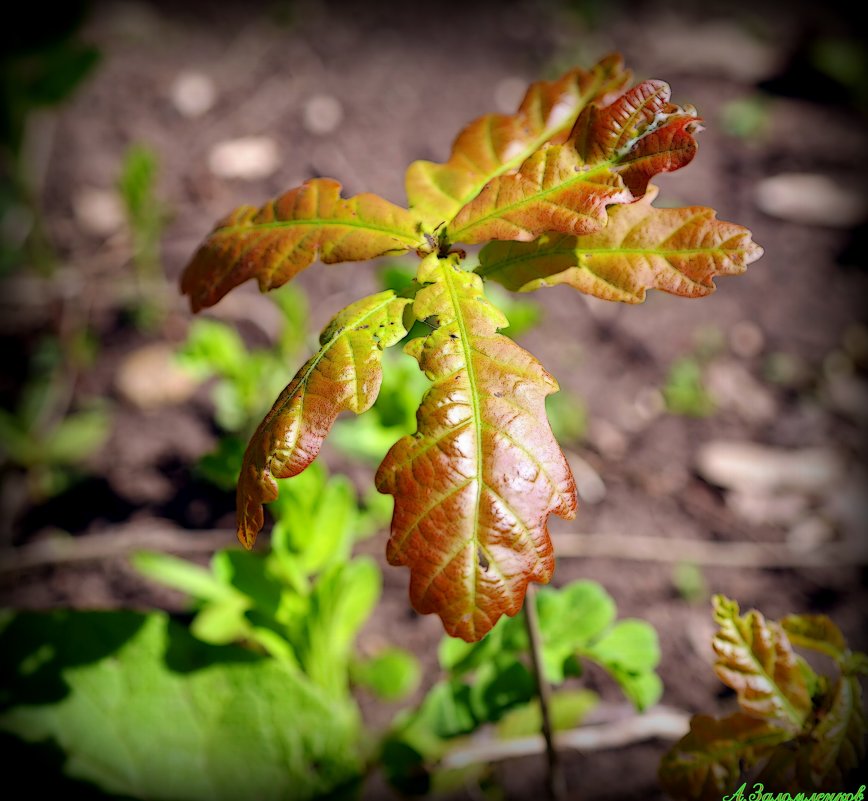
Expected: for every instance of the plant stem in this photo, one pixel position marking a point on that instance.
(555, 781)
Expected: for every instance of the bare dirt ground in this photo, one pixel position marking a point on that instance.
(405, 80)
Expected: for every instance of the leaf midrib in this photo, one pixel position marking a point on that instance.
(788, 707)
(501, 211)
(231, 230)
(302, 383)
(578, 252)
(446, 269)
(582, 101)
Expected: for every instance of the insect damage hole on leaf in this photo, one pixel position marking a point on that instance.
(560, 192)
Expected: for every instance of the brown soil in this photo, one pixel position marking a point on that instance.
(407, 79)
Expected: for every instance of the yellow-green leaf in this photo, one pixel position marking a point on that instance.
(498, 143)
(474, 486)
(344, 375)
(274, 243)
(816, 632)
(706, 763)
(755, 658)
(641, 247)
(610, 156)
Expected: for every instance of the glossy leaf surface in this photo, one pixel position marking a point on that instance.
(277, 241)
(755, 658)
(679, 251)
(706, 763)
(496, 144)
(475, 485)
(344, 375)
(609, 158)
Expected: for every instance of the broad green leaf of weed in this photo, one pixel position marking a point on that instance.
(160, 715)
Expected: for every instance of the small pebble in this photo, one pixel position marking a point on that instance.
(607, 438)
(149, 378)
(751, 467)
(193, 94)
(589, 485)
(746, 339)
(247, 158)
(98, 211)
(322, 115)
(764, 509)
(649, 403)
(810, 533)
(731, 386)
(811, 199)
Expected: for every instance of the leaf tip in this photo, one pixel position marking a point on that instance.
(247, 538)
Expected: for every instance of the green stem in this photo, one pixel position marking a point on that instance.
(555, 780)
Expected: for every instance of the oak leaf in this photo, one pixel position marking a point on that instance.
(475, 485)
(611, 154)
(838, 739)
(706, 764)
(277, 241)
(755, 658)
(641, 247)
(496, 144)
(344, 375)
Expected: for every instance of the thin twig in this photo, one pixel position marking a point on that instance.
(702, 552)
(113, 543)
(661, 722)
(126, 539)
(555, 780)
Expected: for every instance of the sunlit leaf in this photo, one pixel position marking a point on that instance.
(192, 579)
(706, 763)
(609, 158)
(274, 243)
(475, 485)
(144, 710)
(755, 658)
(641, 247)
(496, 144)
(344, 375)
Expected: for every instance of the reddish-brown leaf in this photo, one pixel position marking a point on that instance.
(609, 158)
(640, 134)
(755, 658)
(498, 143)
(475, 485)
(677, 250)
(344, 375)
(706, 764)
(274, 243)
